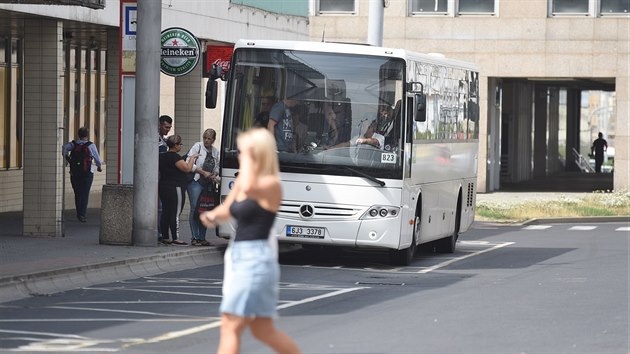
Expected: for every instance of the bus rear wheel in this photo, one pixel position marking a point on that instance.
(448, 244)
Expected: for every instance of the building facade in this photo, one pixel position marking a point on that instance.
(542, 64)
(60, 70)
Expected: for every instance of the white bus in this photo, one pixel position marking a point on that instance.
(379, 146)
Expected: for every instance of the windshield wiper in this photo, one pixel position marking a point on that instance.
(365, 175)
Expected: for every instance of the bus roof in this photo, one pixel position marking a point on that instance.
(349, 48)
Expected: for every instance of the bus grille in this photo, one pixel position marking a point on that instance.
(320, 211)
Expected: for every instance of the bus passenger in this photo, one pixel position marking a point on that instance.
(281, 124)
(266, 102)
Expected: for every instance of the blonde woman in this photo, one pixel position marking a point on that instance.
(252, 273)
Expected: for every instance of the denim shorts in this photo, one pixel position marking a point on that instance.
(250, 280)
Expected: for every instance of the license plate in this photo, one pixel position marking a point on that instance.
(304, 231)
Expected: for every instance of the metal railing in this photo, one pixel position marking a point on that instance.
(582, 162)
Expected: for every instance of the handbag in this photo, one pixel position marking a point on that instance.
(207, 199)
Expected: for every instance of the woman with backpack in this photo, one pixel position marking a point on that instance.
(79, 155)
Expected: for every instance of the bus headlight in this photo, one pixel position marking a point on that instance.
(379, 212)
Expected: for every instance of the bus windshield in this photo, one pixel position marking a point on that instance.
(330, 113)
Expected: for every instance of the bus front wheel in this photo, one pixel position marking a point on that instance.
(405, 256)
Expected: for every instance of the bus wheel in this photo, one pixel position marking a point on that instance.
(447, 244)
(405, 256)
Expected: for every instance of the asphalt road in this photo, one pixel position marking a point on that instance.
(559, 288)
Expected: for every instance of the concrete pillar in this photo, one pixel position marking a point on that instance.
(621, 177)
(43, 124)
(519, 140)
(494, 135)
(573, 128)
(540, 131)
(553, 124)
(145, 171)
(112, 124)
(189, 107)
(189, 115)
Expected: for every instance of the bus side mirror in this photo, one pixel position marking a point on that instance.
(211, 94)
(420, 108)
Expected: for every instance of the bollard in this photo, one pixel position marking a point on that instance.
(116, 215)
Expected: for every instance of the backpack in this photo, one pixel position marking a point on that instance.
(80, 159)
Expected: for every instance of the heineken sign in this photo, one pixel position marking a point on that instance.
(180, 51)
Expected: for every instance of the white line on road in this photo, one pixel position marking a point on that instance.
(537, 227)
(624, 229)
(444, 264)
(193, 330)
(151, 291)
(582, 228)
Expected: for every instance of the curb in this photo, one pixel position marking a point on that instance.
(17, 287)
(582, 219)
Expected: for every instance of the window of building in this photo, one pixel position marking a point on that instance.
(476, 6)
(429, 7)
(337, 6)
(84, 94)
(614, 7)
(10, 103)
(453, 7)
(569, 7)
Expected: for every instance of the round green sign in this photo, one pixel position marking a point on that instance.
(180, 51)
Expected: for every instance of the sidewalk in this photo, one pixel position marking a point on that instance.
(45, 265)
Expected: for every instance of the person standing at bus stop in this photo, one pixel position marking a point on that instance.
(600, 145)
(252, 272)
(166, 123)
(206, 178)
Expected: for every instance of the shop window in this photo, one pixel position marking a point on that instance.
(10, 103)
(4, 122)
(614, 7)
(337, 6)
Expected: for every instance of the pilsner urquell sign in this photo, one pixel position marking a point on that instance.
(180, 51)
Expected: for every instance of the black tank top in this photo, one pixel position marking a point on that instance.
(254, 222)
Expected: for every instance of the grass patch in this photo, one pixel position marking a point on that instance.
(595, 204)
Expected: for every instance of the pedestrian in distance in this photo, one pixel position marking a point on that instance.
(79, 155)
(251, 269)
(165, 125)
(172, 188)
(600, 145)
(206, 178)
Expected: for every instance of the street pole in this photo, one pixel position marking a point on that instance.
(375, 23)
(145, 170)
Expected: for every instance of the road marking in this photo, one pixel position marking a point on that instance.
(151, 291)
(537, 227)
(119, 311)
(193, 330)
(456, 259)
(624, 229)
(582, 228)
